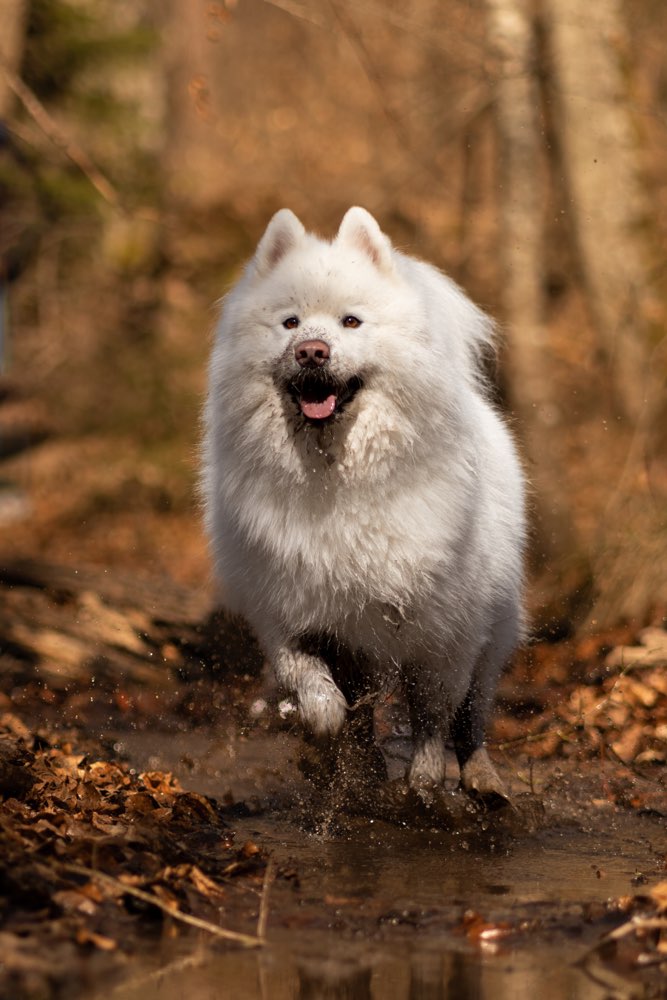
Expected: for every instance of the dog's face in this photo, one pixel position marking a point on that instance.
(330, 330)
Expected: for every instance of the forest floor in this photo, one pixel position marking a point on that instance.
(155, 823)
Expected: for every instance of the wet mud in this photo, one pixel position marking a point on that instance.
(431, 899)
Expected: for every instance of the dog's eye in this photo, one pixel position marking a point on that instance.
(351, 322)
(291, 322)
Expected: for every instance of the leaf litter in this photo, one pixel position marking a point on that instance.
(93, 854)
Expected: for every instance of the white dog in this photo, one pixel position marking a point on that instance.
(364, 500)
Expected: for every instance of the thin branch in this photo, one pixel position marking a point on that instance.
(353, 35)
(247, 940)
(53, 131)
(294, 10)
(160, 975)
(269, 876)
(636, 923)
(442, 36)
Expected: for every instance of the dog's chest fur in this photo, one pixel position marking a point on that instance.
(337, 554)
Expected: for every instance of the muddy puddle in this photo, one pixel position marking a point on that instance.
(373, 909)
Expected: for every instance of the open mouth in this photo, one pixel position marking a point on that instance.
(320, 396)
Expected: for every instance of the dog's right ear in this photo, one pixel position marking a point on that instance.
(282, 234)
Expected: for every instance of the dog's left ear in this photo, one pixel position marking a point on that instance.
(282, 234)
(360, 231)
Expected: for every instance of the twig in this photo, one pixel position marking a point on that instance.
(247, 940)
(295, 11)
(269, 876)
(368, 66)
(562, 732)
(52, 130)
(636, 923)
(159, 975)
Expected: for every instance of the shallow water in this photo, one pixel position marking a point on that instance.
(389, 912)
(423, 972)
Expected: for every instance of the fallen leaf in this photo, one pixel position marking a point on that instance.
(84, 936)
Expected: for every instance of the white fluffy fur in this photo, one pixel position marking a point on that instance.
(398, 526)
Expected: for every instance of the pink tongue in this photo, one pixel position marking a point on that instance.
(318, 410)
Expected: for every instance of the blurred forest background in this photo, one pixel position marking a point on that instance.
(521, 146)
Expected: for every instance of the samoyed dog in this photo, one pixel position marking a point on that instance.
(364, 499)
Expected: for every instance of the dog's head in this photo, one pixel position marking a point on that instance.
(348, 335)
(327, 319)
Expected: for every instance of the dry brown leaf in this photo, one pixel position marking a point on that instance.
(110, 827)
(11, 724)
(626, 747)
(71, 900)
(84, 936)
(114, 626)
(658, 894)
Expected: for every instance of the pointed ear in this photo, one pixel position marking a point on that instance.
(360, 231)
(282, 234)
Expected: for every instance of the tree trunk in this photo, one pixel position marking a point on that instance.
(600, 168)
(521, 176)
(12, 36)
(599, 152)
(600, 159)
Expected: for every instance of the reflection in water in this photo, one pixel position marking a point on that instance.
(432, 976)
(426, 979)
(435, 974)
(445, 975)
(334, 980)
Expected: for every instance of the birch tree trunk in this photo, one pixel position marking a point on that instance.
(521, 175)
(599, 157)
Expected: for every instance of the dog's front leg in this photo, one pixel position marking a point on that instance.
(322, 705)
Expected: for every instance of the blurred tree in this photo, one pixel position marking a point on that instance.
(596, 157)
(600, 158)
(12, 39)
(531, 388)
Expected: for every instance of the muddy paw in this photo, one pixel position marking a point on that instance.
(482, 782)
(427, 767)
(322, 706)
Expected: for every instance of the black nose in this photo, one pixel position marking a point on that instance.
(312, 353)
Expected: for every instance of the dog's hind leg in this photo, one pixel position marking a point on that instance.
(428, 714)
(478, 775)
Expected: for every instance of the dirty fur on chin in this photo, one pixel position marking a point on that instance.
(359, 485)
